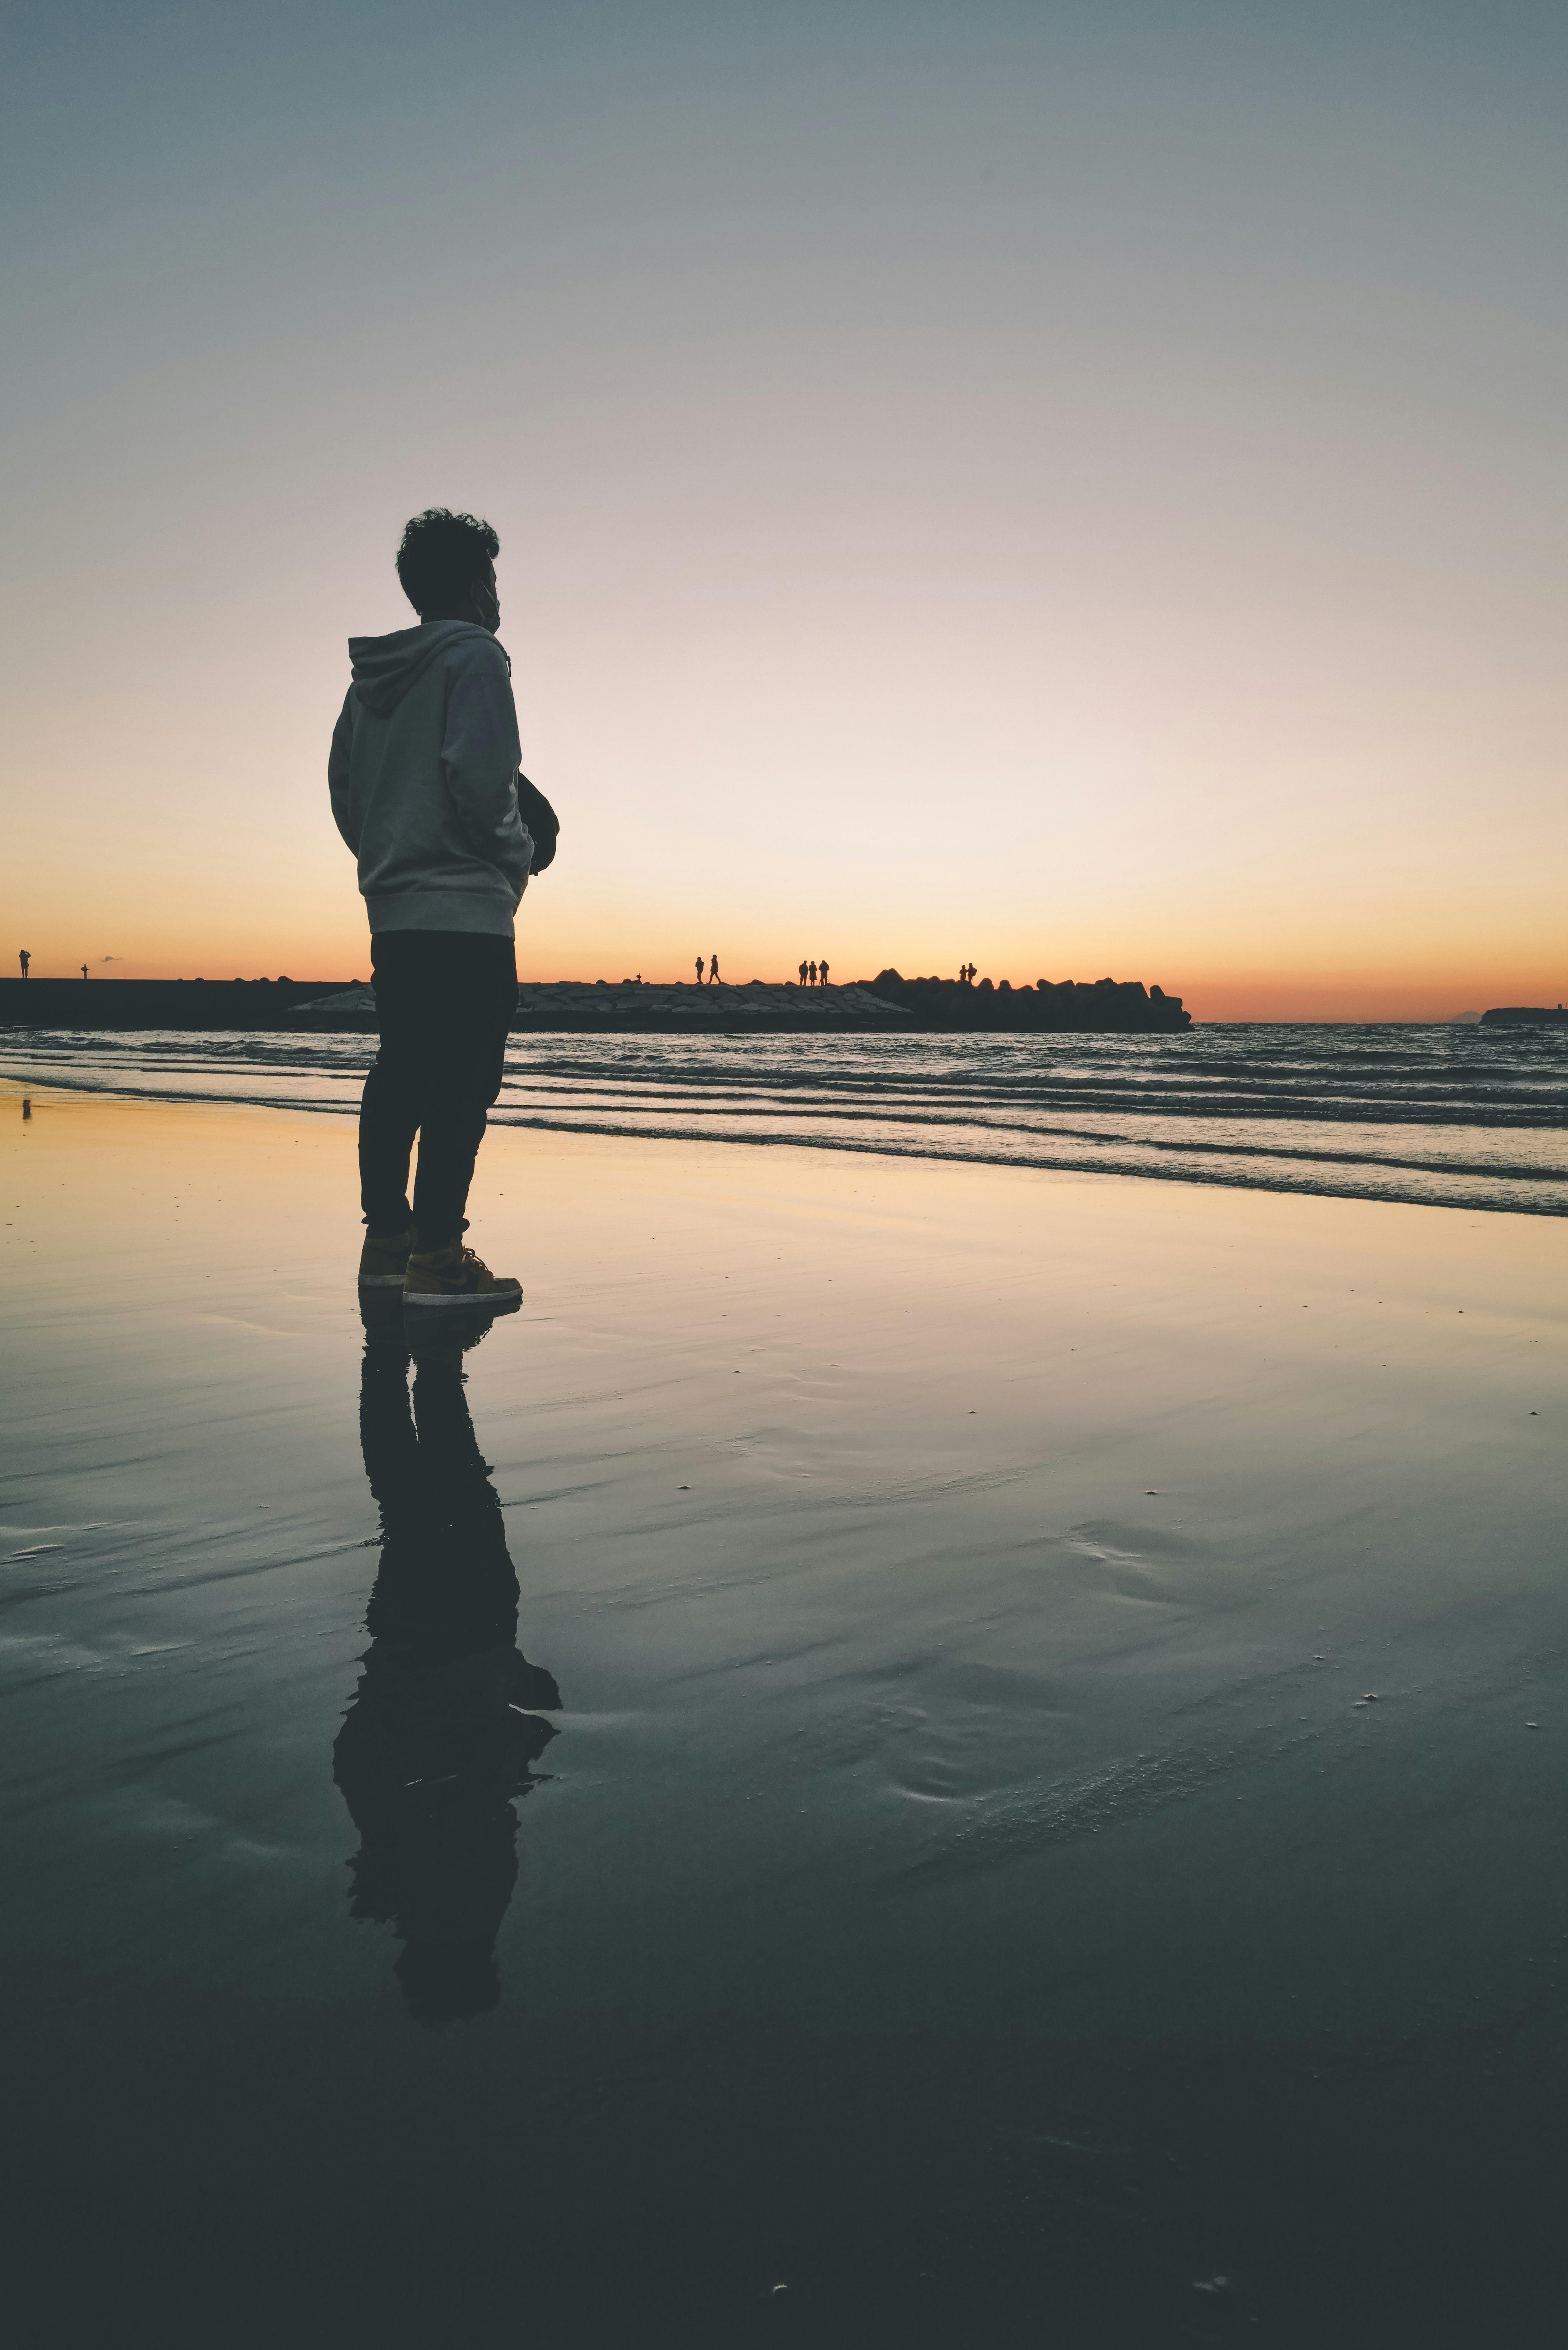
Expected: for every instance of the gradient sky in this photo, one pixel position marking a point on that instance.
(1079, 487)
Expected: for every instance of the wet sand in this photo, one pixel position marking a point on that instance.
(913, 1857)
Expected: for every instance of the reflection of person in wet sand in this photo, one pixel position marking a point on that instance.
(438, 1738)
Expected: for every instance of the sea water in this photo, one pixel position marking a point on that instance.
(1440, 1115)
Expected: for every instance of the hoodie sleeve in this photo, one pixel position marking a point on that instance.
(480, 758)
(338, 772)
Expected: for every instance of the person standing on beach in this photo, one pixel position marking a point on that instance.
(811, 971)
(698, 971)
(425, 788)
(26, 960)
(822, 975)
(803, 974)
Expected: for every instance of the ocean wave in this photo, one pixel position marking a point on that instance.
(1437, 1117)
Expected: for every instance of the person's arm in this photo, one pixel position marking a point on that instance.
(480, 759)
(337, 770)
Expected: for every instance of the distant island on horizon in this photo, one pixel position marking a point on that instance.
(887, 1002)
(1525, 1016)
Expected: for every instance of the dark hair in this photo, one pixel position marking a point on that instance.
(442, 555)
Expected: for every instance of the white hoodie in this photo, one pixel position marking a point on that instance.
(422, 773)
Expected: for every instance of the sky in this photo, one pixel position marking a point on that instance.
(1077, 488)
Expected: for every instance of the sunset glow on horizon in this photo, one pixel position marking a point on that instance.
(1077, 489)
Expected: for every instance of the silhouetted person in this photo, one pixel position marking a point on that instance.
(713, 971)
(698, 971)
(426, 791)
(822, 975)
(811, 975)
(803, 971)
(437, 1743)
(25, 959)
(84, 971)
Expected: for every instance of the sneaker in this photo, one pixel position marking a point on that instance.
(383, 1262)
(454, 1275)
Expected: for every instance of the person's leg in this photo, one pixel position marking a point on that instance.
(391, 1108)
(472, 999)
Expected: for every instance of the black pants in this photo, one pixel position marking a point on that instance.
(445, 999)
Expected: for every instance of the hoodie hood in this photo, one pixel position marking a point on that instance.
(384, 666)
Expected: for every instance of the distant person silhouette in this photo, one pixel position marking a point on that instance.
(713, 971)
(426, 792)
(698, 971)
(25, 959)
(84, 971)
(822, 975)
(438, 1743)
(811, 967)
(803, 970)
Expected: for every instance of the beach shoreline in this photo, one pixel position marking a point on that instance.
(1427, 1118)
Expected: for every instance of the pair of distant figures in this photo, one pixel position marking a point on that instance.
(712, 979)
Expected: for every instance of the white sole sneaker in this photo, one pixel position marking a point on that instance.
(487, 1301)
